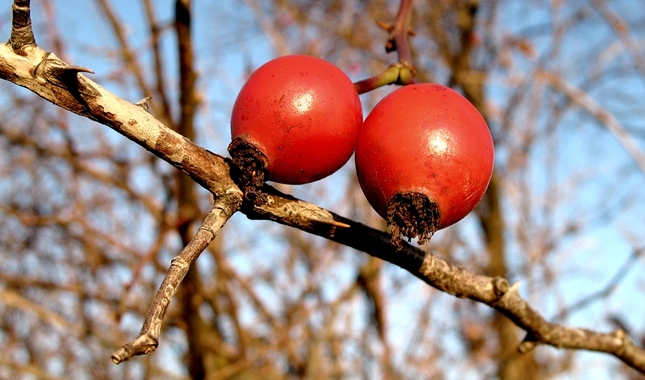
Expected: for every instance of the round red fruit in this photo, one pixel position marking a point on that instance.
(424, 159)
(301, 114)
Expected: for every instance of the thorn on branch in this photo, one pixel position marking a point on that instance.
(22, 34)
(144, 103)
(54, 71)
(296, 211)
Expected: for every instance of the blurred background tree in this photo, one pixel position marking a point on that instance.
(89, 221)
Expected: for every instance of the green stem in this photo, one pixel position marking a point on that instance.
(400, 73)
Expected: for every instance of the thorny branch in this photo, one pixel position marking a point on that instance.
(25, 64)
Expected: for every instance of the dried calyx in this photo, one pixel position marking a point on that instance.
(250, 169)
(412, 215)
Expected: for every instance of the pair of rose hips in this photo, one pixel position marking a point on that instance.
(424, 154)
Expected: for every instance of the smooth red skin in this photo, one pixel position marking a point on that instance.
(303, 113)
(425, 138)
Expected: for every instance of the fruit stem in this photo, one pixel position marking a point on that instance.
(250, 169)
(399, 34)
(412, 215)
(401, 73)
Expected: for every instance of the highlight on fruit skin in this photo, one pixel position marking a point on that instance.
(295, 121)
(424, 159)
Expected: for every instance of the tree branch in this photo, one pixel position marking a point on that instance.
(600, 113)
(148, 338)
(61, 84)
(399, 31)
(606, 290)
(444, 276)
(127, 52)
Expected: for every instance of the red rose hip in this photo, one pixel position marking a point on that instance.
(424, 159)
(295, 121)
